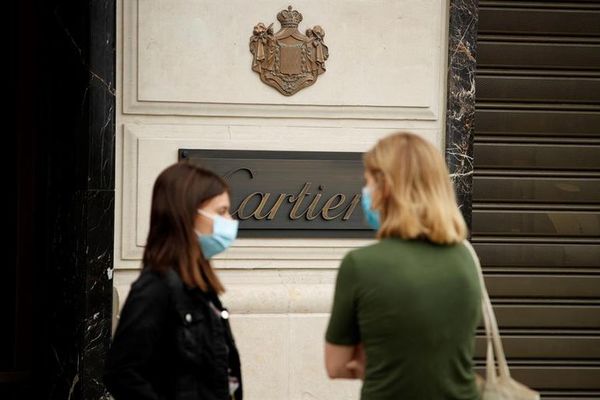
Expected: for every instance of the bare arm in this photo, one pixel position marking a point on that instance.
(345, 362)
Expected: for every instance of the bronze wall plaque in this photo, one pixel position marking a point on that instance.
(288, 60)
(289, 193)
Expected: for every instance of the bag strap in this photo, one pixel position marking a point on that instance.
(490, 360)
(494, 343)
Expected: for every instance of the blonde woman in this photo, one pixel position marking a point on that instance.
(405, 308)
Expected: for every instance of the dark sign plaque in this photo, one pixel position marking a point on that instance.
(290, 194)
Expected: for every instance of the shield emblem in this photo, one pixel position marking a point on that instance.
(288, 60)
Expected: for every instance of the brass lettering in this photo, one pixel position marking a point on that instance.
(351, 207)
(233, 172)
(258, 212)
(329, 205)
(276, 206)
(238, 213)
(297, 200)
(310, 212)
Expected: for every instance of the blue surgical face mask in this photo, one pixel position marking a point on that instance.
(224, 233)
(371, 216)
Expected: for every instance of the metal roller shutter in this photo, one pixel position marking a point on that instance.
(536, 200)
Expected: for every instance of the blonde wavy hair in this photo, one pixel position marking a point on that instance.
(416, 198)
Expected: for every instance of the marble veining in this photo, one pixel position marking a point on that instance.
(460, 111)
(81, 195)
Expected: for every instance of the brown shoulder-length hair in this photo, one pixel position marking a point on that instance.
(172, 242)
(417, 199)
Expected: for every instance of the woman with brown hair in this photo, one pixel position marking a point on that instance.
(406, 308)
(173, 340)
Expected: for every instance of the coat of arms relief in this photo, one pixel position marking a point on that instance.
(288, 60)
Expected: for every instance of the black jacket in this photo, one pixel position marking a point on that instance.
(170, 344)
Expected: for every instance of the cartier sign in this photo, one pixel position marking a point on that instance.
(290, 194)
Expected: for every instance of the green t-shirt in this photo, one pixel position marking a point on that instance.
(415, 306)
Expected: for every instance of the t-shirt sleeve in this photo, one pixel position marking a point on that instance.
(343, 323)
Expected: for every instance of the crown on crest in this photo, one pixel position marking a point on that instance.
(289, 18)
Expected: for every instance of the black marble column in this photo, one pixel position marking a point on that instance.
(79, 124)
(460, 111)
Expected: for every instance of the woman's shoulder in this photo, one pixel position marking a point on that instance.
(365, 255)
(397, 247)
(377, 249)
(147, 302)
(150, 283)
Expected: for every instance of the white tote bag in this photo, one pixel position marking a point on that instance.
(498, 384)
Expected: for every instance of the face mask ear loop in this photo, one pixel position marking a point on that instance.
(207, 215)
(202, 212)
